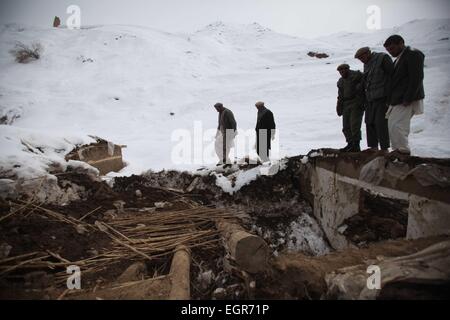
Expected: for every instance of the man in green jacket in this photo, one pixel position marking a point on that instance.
(226, 132)
(350, 104)
(378, 69)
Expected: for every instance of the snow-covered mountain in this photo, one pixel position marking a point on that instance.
(122, 83)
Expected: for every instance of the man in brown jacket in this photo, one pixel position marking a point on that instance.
(226, 132)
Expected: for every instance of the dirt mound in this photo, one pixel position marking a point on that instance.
(275, 195)
(297, 276)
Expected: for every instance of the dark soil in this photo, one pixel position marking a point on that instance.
(379, 219)
(36, 233)
(30, 231)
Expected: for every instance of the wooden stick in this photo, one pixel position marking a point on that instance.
(115, 231)
(19, 257)
(62, 295)
(21, 264)
(89, 213)
(128, 246)
(57, 256)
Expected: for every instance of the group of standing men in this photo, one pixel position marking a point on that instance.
(226, 132)
(389, 92)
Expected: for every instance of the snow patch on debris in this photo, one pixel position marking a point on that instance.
(306, 235)
(32, 163)
(240, 178)
(301, 234)
(27, 154)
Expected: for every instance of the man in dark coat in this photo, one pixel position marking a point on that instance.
(226, 132)
(378, 68)
(350, 105)
(406, 94)
(265, 131)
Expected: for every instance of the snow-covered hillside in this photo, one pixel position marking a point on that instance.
(122, 83)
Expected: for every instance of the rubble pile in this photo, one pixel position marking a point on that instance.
(244, 232)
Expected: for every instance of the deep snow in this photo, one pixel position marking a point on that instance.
(122, 82)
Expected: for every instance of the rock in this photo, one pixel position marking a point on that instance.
(81, 229)
(134, 272)
(119, 205)
(205, 278)
(321, 55)
(162, 204)
(110, 214)
(56, 22)
(342, 228)
(373, 171)
(219, 294)
(431, 175)
(147, 209)
(138, 193)
(313, 54)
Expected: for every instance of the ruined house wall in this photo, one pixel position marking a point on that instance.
(103, 155)
(334, 201)
(336, 180)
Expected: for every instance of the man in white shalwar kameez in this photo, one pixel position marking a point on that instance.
(406, 92)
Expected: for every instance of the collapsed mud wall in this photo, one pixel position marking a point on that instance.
(337, 182)
(103, 155)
